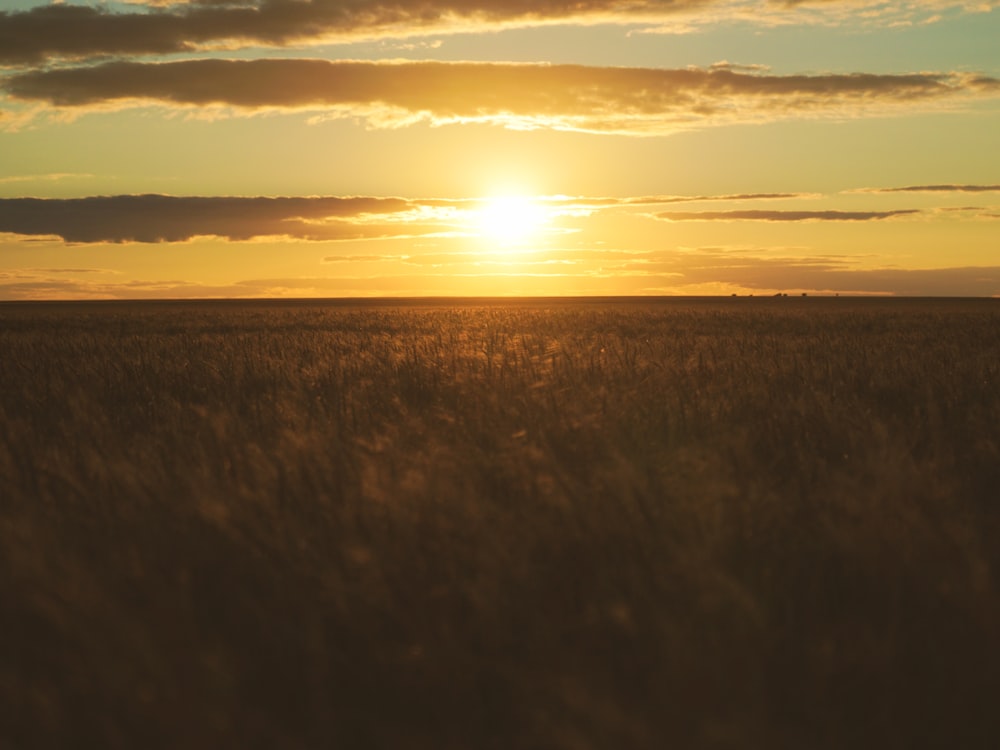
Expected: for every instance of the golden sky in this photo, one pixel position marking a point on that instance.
(241, 148)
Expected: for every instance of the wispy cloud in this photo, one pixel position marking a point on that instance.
(933, 189)
(777, 275)
(62, 30)
(637, 101)
(754, 215)
(571, 205)
(51, 177)
(764, 271)
(735, 197)
(74, 271)
(42, 287)
(601, 271)
(362, 258)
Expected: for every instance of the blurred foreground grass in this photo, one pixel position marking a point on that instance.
(746, 523)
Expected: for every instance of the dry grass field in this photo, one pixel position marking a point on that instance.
(738, 523)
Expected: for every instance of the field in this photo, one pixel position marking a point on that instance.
(736, 523)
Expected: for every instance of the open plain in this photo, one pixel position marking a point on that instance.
(689, 523)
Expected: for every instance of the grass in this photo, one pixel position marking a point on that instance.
(538, 524)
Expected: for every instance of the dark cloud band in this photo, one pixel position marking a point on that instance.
(565, 97)
(162, 218)
(75, 31)
(79, 31)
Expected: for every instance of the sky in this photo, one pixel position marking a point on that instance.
(354, 148)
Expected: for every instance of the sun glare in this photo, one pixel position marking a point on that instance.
(509, 220)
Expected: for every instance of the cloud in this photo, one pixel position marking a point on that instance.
(47, 288)
(430, 271)
(792, 276)
(571, 203)
(556, 205)
(735, 197)
(363, 258)
(52, 177)
(73, 31)
(752, 215)
(69, 270)
(691, 272)
(653, 200)
(562, 97)
(760, 270)
(933, 189)
(157, 218)
(162, 218)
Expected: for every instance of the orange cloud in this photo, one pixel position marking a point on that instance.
(563, 97)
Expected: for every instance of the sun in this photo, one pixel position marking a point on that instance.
(509, 219)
